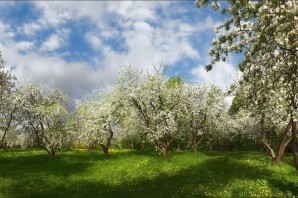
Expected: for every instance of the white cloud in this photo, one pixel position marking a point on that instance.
(93, 40)
(229, 100)
(24, 45)
(55, 41)
(75, 79)
(56, 13)
(148, 39)
(142, 26)
(52, 43)
(6, 32)
(134, 10)
(145, 44)
(30, 28)
(53, 13)
(221, 75)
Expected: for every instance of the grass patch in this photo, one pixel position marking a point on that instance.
(129, 173)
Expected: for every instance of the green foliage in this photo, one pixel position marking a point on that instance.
(237, 103)
(134, 143)
(241, 143)
(174, 82)
(129, 173)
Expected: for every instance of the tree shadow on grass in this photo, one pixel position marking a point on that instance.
(213, 174)
(40, 165)
(194, 181)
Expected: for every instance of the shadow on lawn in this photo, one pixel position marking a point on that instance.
(217, 173)
(211, 174)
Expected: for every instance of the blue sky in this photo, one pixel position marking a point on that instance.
(78, 46)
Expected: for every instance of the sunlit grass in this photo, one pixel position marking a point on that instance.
(129, 173)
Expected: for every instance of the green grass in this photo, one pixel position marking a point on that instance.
(134, 174)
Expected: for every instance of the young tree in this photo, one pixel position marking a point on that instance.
(43, 116)
(8, 105)
(266, 32)
(97, 119)
(216, 124)
(194, 112)
(129, 131)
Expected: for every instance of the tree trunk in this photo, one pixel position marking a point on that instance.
(132, 143)
(283, 144)
(195, 148)
(166, 147)
(269, 149)
(5, 146)
(51, 153)
(281, 151)
(178, 148)
(143, 146)
(194, 143)
(165, 151)
(294, 145)
(210, 146)
(2, 144)
(263, 141)
(105, 149)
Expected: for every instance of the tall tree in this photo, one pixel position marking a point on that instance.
(266, 33)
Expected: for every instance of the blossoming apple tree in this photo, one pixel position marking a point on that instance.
(98, 118)
(266, 33)
(43, 116)
(8, 105)
(155, 102)
(203, 108)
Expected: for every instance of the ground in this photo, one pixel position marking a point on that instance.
(130, 173)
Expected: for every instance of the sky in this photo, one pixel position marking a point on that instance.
(80, 46)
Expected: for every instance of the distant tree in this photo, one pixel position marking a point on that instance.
(216, 117)
(128, 131)
(194, 112)
(237, 103)
(97, 120)
(43, 116)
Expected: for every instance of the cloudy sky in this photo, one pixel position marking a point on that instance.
(79, 46)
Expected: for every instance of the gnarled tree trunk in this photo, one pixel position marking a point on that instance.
(285, 139)
(163, 146)
(166, 147)
(3, 142)
(105, 149)
(294, 145)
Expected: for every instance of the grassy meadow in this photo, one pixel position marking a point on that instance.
(130, 173)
